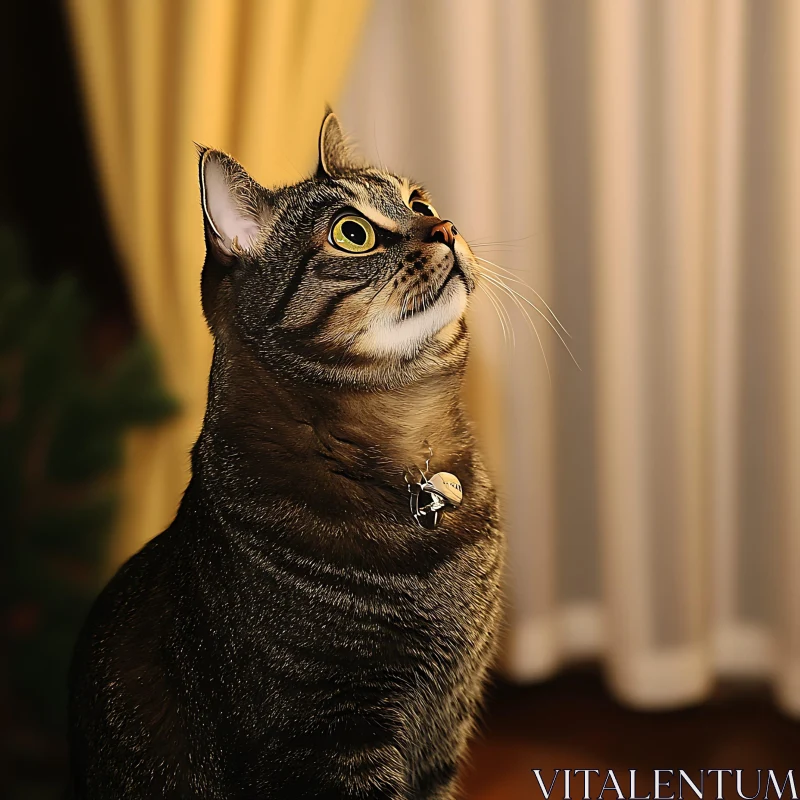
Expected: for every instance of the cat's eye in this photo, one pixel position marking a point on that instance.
(421, 207)
(353, 234)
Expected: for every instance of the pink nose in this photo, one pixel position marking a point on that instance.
(444, 232)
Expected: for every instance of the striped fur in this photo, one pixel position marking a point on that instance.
(293, 633)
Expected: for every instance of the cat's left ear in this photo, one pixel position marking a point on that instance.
(235, 208)
(335, 157)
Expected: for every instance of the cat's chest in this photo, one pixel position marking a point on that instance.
(434, 590)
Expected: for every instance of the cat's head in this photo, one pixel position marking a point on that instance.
(350, 276)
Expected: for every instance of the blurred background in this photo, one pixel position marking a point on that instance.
(636, 163)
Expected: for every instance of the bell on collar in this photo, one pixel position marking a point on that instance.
(430, 495)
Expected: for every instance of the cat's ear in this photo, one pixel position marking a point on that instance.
(235, 208)
(335, 157)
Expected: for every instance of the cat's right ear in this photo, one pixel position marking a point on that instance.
(236, 209)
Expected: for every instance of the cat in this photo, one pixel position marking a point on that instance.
(295, 632)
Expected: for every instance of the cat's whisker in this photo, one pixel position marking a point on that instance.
(384, 285)
(503, 311)
(498, 281)
(504, 278)
(516, 300)
(494, 300)
(482, 240)
(491, 248)
(494, 246)
(514, 278)
(504, 315)
(502, 323)
(523, 299)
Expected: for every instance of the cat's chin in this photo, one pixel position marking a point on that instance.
(393, 337)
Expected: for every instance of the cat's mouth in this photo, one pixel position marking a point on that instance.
(420, 300)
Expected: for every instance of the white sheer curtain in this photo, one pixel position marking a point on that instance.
(639, 165)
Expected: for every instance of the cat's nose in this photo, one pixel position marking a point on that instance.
(444, 232)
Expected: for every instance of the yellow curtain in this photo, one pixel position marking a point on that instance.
(251, 77)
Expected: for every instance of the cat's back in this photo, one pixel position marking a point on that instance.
(129, 681)
(119, 640)
(141, 583)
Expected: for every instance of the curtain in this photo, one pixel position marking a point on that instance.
(638, 164)
(251, 77)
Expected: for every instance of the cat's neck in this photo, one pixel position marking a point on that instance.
(287, 437)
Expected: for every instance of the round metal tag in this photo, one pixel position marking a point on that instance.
(448, 486)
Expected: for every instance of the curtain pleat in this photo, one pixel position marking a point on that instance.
(728, 105)
(637, 164)
(248, 76)
(527, 492)
(618, 340)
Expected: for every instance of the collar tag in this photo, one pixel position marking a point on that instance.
(430, 496)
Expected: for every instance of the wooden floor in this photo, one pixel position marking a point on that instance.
(572, 723)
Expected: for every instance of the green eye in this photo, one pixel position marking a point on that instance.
(353, 234)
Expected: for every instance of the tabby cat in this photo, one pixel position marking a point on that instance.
(295, 633)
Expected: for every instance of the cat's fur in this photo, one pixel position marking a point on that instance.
(294, 633)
